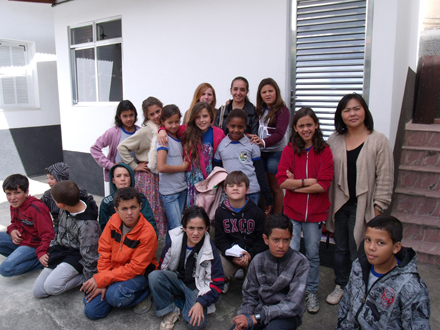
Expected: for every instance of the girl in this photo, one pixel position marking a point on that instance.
(274, 119)
(204, 93)
(306, 172)
(191, 275)
(239, 91)
(143, 143)
(363, 183)
(172, 168)
(125, 119)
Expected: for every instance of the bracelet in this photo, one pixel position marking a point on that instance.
(377, 207)
(303, 182)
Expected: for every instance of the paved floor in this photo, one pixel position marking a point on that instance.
(20, 310)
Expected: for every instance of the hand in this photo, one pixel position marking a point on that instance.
(162, 138)
(196, 314)
(241, 322)
(89, 286)
(377, 212)
(289, 175)
(16, 237)
(228, 101)
(247, 258)
(238, 261)
(142, 167)
(95, 293)
(311, 181)
(256, 140)
(44, 259)
(185, 166)
(268, 210)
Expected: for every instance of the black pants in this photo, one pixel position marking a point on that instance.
(290, 323)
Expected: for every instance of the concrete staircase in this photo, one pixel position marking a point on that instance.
(416, 200)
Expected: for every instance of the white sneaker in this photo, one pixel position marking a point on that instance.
(312, 303)
(225, 288)
(170, 319)
(239, 274)
(144, 306)
(335, 297)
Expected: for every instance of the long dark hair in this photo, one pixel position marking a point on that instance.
(261, 105)
(298, 143)
(195, 212)
(340, 126)
(148, 102)
(124, 105)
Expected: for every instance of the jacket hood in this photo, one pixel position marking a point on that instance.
(28, 202)
(60, 171)
(112, 185)
(91, 212)
(226, 206)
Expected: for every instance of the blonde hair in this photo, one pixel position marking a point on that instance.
(196, 98)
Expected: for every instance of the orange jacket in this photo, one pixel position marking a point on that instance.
(123, 258)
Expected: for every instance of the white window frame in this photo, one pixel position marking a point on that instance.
(28, 70)
(90, 45)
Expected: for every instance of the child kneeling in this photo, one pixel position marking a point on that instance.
(127, 249)
(191, 269)
(274, 288)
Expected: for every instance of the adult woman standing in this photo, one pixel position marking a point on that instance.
(239, 92)
(203, 93)
(362, 186)
(274, 119)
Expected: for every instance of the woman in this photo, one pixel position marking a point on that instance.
(204, 93)
(239, 92)
(362, 186)
(274, 118)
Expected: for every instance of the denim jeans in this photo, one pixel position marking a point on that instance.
(345, 244)
(174, 205)
(271, 161)
(255, 197)
(119, 294)
(312, 232)
(165, 286)
(19, 259)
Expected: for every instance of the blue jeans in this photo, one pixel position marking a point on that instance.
(255, 197)
(345, 244)
(19, 259)
(165, 286)
(312, 237)
(271, 161)
(174, 205)
(119, 294)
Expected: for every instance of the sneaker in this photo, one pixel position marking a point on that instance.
(225, 287)
(312, 303)
(144, 306)
(170, 319)
(239, 274)
(336, 296)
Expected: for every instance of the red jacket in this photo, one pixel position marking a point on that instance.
(32, 219)
(306, 207)
(123, 258)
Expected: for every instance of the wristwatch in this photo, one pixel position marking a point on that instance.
(257, 317)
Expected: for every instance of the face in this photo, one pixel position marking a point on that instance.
(195, 230)
(236, 127)
(153, 113)
(306, 128)
(278, 241)
(16, 197)
(51, 180)
(236, 191)
(239, 91)
(268, 94)
(121, 177)
(207, 96)
(353, 114)
(379, 247)
(203, 120)
(127, 118)
(172, 124)
(129, 212)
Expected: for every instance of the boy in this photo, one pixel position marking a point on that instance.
(384, 290)
(274, 288)
(73, 254)
(238, 221)
(235, 152)
(121, 175)
(56, 173)
(27, 239)
(127, 249)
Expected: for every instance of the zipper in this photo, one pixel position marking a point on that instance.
(307, 176)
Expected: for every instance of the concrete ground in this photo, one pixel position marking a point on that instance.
(20, 310)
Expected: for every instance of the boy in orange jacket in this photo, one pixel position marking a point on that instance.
(127, 249)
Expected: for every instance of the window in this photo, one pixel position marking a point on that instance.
(17, 77)
(96, 61)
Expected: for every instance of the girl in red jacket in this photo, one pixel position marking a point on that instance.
(306, 171)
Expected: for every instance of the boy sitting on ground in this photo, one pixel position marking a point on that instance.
(384, 290)
(274, 288)
(73, 254)
(27, 238)
(238, 221)
(127, 249)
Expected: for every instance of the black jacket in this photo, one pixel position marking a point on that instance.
(252, 122)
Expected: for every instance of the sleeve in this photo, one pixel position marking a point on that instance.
(416, 312)
(181, 131)
(89, 233)
(384, 174)
(250, 288)
(217, 280)
(217, 117)
(147, 212)
(104, 214)
(165, 250)
(280, 128)
(284, 164)
(132, 143)
(254, 125)
(105, 251)
(293, 303)
(217, 160)
(44, 228)
(326, 170)
(259, 245)
(221, 238)
(96, 150)
(262, 181)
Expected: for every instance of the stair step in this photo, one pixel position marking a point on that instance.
(418, 178)
(418, 192)
(422, 127)
(422, 135)
(419, 228)
(420, 157)
(414, 168)
(423, 148)
(423, 220)
(413, 204)
(426, 252)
